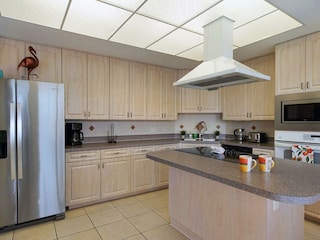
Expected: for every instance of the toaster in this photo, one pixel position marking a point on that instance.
(257, 137)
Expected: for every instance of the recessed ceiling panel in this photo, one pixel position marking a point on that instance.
(141, 31)
(240, 11)
(177, 42)
(272, 24)
(45, 13)
(195, 53)
(131, 5)
(93, 18)
(175, 12)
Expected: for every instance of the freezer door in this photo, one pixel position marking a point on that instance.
(8, 196)
(40, 150)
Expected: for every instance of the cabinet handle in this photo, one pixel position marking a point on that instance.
(251, 115)
(128, 115)
(308, 85)
(102, 165)
(98, 165)
(301, 85)
(165, 115)
(131, 115)
(89, 114)
(83, 156)
(116, 153)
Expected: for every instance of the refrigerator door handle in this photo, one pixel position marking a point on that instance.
(19, 140)
(12, 142)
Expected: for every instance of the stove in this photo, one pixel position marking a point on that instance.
(231, 153)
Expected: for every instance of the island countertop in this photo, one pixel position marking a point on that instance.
(289, 181)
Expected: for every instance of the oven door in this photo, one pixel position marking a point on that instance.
(283, 150)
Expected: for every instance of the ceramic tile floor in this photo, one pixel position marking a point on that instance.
(140, 217)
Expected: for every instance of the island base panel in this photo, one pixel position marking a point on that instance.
(203, 209)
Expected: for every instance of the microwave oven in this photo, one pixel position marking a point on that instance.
(298, 112)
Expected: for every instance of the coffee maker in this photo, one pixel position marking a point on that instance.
(74, 136)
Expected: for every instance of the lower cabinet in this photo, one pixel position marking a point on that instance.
(142, 169)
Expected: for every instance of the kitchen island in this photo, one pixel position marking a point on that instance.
(212, 199)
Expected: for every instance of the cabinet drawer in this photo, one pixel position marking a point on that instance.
(116, 152)
(82, 156)
(168, 147)
(258, 151)
(142, 150)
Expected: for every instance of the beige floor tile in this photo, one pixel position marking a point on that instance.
(41, 231)
(124, 201)
(105, 217)
(6, 235)
(136, 237)
(98, 207)
(133, 209)
(118, 230)
(148, 195)
(156, 202)
(164, 192)
(75, 213)
(147, 221)
(311, 230)
(91, 234)
(164, 213)
(73, 225)
(164, 232)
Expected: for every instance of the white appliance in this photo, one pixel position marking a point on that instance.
(219, 69)
(32, 163)
(284, 140)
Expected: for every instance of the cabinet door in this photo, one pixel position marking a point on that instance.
(142, 170)
(290, 67)
(74, 77)
(154, 111)
(235, 102)
(98, 87)
(119, 89)
(313, 62)
(261, 94)
(190, 100)
(82, 182)
(12, 52)
(210, 101)
(138, 91)
(49, 69)
(115, 177)
(169, 105)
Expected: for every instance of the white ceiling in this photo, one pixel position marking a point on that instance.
(164, 32)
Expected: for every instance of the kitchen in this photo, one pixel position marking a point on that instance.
(148, 119)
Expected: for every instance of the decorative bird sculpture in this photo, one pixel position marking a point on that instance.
(30, 62)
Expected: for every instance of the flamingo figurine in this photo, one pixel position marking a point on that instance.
(30, 62)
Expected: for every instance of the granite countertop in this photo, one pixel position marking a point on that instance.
(150, 142)
(289, 181)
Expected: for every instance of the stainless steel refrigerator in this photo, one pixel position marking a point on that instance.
(32, 163)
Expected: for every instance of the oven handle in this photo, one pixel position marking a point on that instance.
(289, 144)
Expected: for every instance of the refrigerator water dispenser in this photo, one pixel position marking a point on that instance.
(3, 144)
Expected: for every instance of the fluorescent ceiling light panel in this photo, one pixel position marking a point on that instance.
(131, 5)
(141, 31)
(177, 42)
(175, 12)
(262, 28)
(45, 13)
(93, 18)
(241, 12)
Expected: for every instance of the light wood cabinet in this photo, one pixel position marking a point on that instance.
(12, 52)
(128, 90)
(161, 94)
(74, 77)
(252, 101)
(82, 177)
(115, 172)
(142, 169)
(297, 64)
(200, 101)
(49, 69)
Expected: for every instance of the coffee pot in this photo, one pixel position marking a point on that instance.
(238, 133)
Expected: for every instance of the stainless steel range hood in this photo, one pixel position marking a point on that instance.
(219, 69)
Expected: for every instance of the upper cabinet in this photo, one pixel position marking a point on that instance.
(49, 68)
(200, 101)
(128, 90)
(297, 64)
(12, 52)
(161, 94)
(252, 101)
(86, 79)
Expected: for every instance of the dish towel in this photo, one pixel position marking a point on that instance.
(302, 153)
